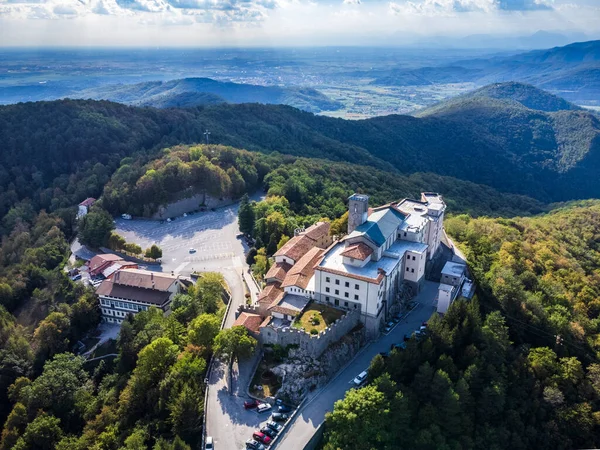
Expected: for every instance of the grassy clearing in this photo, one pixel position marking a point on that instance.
(269, 384)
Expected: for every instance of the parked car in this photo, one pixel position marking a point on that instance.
(284, 408)
(250, 404)
(192, 250)
(76, 277)
(168, 220)
(274, 426)
(263, 407)
(126, 216)
(360, 379)
(385, 354)
(262, 437)
(209, 443)
(406, 337)
(268, 431)
(184, 214)
(425, 324)
(254, 445)
(400, 346)
(396, 318)
(279, 417)
(388, 327)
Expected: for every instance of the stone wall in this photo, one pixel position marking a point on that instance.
(316, 344)
(188, 204)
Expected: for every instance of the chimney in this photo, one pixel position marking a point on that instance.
(358, 211)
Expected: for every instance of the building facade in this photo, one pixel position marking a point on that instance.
(129, 291)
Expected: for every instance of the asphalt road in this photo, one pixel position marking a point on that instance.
(313, 411)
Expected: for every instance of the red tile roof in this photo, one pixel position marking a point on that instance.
(251, 321)
(359, 251)
(284, 310)
(278, 271)
(88, 202)
(144, 279)
(301, 272)
(100, 262)
(296, 247)
(317, 230)
(270, 294)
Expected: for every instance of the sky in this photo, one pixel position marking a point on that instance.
(246, 23)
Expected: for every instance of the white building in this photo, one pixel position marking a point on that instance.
(453, 276)
(129, 291)
(385, 247)
(85, 206)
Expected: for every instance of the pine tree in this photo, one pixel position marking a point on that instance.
(246, 215)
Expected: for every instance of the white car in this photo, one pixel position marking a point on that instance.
(263, 407)
(126, 216)
(209, 443)
(360, 379)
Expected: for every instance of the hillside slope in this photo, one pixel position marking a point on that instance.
(524, 94)
(200, 91)
(571, 70)
(71, 147)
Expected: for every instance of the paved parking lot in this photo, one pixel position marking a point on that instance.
(212, 234)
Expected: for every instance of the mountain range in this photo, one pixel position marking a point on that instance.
(549, 151)
(202, 91)
(572, 70)
(181, 93)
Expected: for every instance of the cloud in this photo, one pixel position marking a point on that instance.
(451, 7)
(351, 2)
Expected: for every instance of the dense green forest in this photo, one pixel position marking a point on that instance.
(150, 396)
(55, 154)
(517, 368)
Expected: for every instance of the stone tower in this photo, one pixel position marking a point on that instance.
(358, 211)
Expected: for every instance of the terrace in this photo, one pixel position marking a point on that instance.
(317, 317)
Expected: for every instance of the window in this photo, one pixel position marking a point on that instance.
(412, 270)
(357, 287)
(346, 304)
(327, 299)
(346, 295)
(337, 292)
(337, 302)
(407, 269)
(337, 281)
(347, 284)
(405, 234)
(414, 258)
(355, 306)
(326, 289)
(327, 279)
(356, 297)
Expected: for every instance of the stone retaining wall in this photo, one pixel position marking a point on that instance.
(316, 344)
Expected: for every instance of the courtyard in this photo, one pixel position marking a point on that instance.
(317, 317)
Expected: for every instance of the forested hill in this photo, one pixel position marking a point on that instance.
(58, 153)
(524, 94)
(200, 91)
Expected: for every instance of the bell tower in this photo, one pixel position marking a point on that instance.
(358, 210)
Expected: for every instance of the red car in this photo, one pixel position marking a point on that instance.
(250, 404)
(262, 437)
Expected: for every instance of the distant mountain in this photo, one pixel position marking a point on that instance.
(202, 91)
(524, 94)
(572, 70)
(551, 156)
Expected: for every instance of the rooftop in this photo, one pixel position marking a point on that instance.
(453, 269)
(301, 272)
(317, 230)
(270, 294)
(446, 287)
(401, 247)
(290, 304)
(249, 320)
(360, 251)
(88, 202)
(296, 247)
(144, 279)
(278, 271)
(380, 225)
(334, 261)
(111, 289)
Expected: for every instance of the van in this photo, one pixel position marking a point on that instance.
(360, 379)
